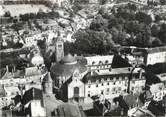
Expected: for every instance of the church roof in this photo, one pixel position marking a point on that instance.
(67, 70)
(67, 66)
(68, 59)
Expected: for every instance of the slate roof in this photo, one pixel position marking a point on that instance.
(115, 73)
(156, 49)
(64, 68)
(31, 71)
(32, 94)
(69, 110)
(68, 59)
(132, 100)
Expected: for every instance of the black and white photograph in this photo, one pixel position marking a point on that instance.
(82, 58)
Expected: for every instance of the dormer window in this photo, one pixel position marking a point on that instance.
(93, 63)
(89, 82)
(108, 79)
(106, 62)
(100, 62)
(102, 80)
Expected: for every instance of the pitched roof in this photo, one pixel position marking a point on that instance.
(117, 72)
(132, 100)
(31, 71)
(32, 94)
(68, 59)
(70, 110)
(156, 49)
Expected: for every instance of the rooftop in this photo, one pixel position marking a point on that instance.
(156, 49)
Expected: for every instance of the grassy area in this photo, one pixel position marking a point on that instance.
(16, 10)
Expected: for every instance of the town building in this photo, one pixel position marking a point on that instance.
(155, 55)
(110, 84)
(147, 56)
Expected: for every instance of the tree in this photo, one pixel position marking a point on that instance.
(162, 33)
(143, 18)
(92, 42)
(163, 2)
(98, 24)
(155, 29)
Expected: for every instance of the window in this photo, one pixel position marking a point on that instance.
(119, 88)
(106, 62)
(133, 81)
(100, 62)
(88, 95)
(97, 82)
(113, 89)
(59, 46)
(89, 86)
(110, 69)
(102, 91)
(76, 91)
(93, 63)
(102, 84)
(108, 79)
(108, 83)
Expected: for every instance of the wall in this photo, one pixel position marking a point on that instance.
(158, 57)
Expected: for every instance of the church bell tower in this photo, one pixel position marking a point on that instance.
(59, 48)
